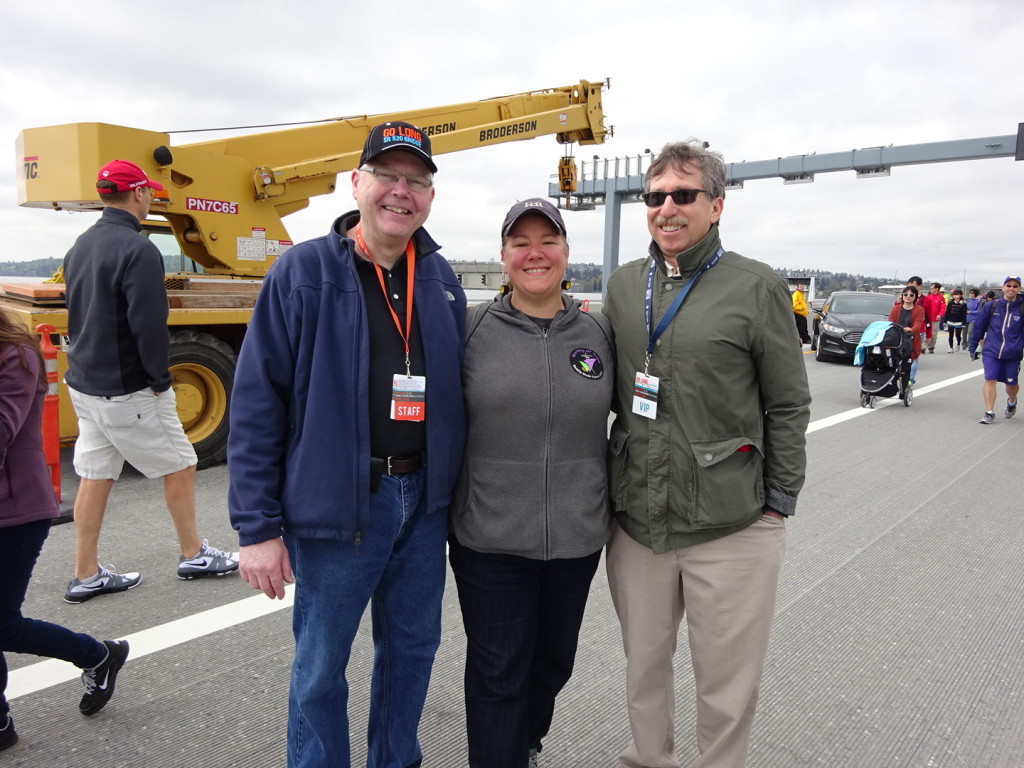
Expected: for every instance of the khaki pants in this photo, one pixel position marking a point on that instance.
(727, 588)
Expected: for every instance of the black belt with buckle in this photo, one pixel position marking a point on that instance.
(393, 466)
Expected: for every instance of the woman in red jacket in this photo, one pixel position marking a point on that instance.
(910, 316)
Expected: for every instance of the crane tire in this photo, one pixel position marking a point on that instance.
(203, 373)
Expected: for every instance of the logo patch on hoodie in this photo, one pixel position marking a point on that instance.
(586, 363)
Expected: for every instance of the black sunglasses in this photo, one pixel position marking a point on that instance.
(679, 197)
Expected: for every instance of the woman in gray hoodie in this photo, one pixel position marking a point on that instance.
(531, 511)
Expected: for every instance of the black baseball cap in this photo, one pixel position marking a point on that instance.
(397, 135)
(532, 205)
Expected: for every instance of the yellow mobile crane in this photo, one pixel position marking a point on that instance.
(225, 204)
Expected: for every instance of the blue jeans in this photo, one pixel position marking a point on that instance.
(522, 619)
(19, 549)
(397, 566)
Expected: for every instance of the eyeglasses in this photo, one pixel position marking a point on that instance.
(389, 178)
(679, 197)
(908, 293)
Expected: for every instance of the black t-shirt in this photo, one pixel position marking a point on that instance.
(387, 357)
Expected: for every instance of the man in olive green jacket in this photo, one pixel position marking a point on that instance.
(707, 459)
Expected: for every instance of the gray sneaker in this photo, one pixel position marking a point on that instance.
(534, 759)
(209, 561)
(1011, 408)
(988, 418)
(105, 582)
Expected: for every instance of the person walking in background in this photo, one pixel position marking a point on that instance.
(27, 507)
(989, 296)
(530, 514)
(707, 456)
(934, 306)
(973, 305)
(120, 385)
(910, 317)
(800, 311)
(916, 282)
(347, 430)
(955, 318)
(1000, 323)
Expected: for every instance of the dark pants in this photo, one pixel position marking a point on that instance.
(801, 328)
(958, 333)
(19, 549)
(522, 619)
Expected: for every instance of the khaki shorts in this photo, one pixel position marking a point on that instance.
(141, 428)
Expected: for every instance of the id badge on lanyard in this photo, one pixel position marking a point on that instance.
(645, 386)
(408, 392)
(645, 395)
(408, 397)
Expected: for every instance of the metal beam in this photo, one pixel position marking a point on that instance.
(620, 180)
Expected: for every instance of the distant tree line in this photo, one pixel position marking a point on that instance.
(585, 278)
(36, 268)
(826, 282)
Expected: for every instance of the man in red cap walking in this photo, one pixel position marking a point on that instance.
(120, 385)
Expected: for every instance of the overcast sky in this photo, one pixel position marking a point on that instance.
(757, 79)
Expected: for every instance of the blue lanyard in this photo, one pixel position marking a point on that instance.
(671, 312)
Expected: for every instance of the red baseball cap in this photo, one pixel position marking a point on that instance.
(125, 176)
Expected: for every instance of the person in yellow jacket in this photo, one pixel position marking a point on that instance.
(800, 313)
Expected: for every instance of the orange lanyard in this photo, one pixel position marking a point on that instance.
(410, 253)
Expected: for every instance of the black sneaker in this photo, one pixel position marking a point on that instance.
(988, 418)
(99, 681)
(104, 583)
(1011, 408)
(8, 736)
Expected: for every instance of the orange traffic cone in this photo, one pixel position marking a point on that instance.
(51, 410)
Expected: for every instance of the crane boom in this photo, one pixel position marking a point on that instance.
(227, 197)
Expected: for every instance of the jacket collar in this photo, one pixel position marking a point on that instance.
(421, 239)
(692, 259)
(122, 217)
(502, 304)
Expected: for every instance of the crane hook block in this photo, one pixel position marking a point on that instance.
(566, 175)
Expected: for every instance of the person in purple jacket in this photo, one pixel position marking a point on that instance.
(1000, 324)
(27, 506)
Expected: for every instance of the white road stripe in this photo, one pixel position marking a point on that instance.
(885, 402)
(37, 677)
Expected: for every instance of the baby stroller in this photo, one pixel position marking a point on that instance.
(884, 353)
